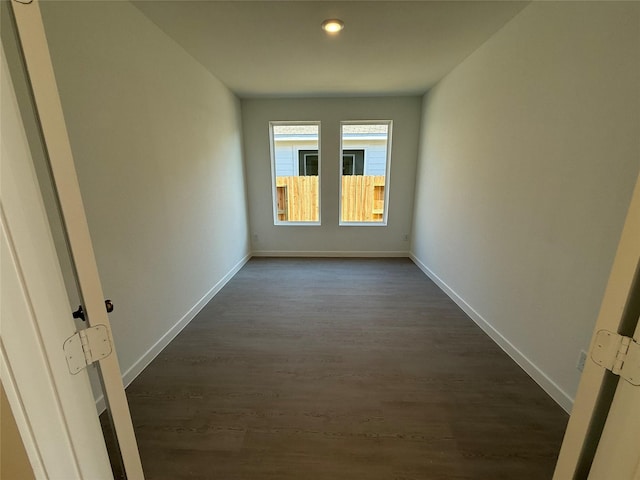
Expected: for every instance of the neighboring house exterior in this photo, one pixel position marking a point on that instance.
(296, 151)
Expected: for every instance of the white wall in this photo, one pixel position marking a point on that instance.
(329, 238)
(157, 145)
(529, 153)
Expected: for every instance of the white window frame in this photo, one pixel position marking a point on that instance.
(387, 173)
(274, 190)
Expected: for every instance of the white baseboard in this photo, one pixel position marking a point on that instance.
(136, 369)
(328, 253)
(548, 385)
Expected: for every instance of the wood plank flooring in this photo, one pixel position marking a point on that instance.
(339, 369)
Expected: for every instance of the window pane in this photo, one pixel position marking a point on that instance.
(365, 172)
(296, 166)
(308, 162)
(353, 162)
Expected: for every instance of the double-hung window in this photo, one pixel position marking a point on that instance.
(364, 180)
(295, 167)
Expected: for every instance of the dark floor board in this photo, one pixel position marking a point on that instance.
(339, 369)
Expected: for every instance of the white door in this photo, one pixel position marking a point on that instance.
(49, 112)
(602, 440)
(54, 410)
(618, 453)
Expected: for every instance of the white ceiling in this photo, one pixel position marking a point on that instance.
(277, 48)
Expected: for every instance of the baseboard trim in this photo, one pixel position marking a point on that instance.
(136, 369)
(548, 385)
(329, 253)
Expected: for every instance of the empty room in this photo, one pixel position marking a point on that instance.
(317, 239)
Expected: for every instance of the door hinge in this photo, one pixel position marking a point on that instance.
(86, 347)
(619, 354)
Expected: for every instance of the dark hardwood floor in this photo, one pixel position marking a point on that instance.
(339, 369)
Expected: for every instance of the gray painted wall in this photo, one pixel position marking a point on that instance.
(157, 145)
(328, 238)
(529, 153)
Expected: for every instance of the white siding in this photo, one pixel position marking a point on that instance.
(375, 154)
(286, 153)
(375, 160)
(285, 164)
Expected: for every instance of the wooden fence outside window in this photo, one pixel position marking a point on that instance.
(362, 198)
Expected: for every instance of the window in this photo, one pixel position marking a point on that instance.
(295, 168)
(366, 156)
(307, 162)
(353, 162)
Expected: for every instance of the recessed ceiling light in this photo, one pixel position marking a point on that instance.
(332, 25)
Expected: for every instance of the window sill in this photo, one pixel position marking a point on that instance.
(296, 224)
(362, 224)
